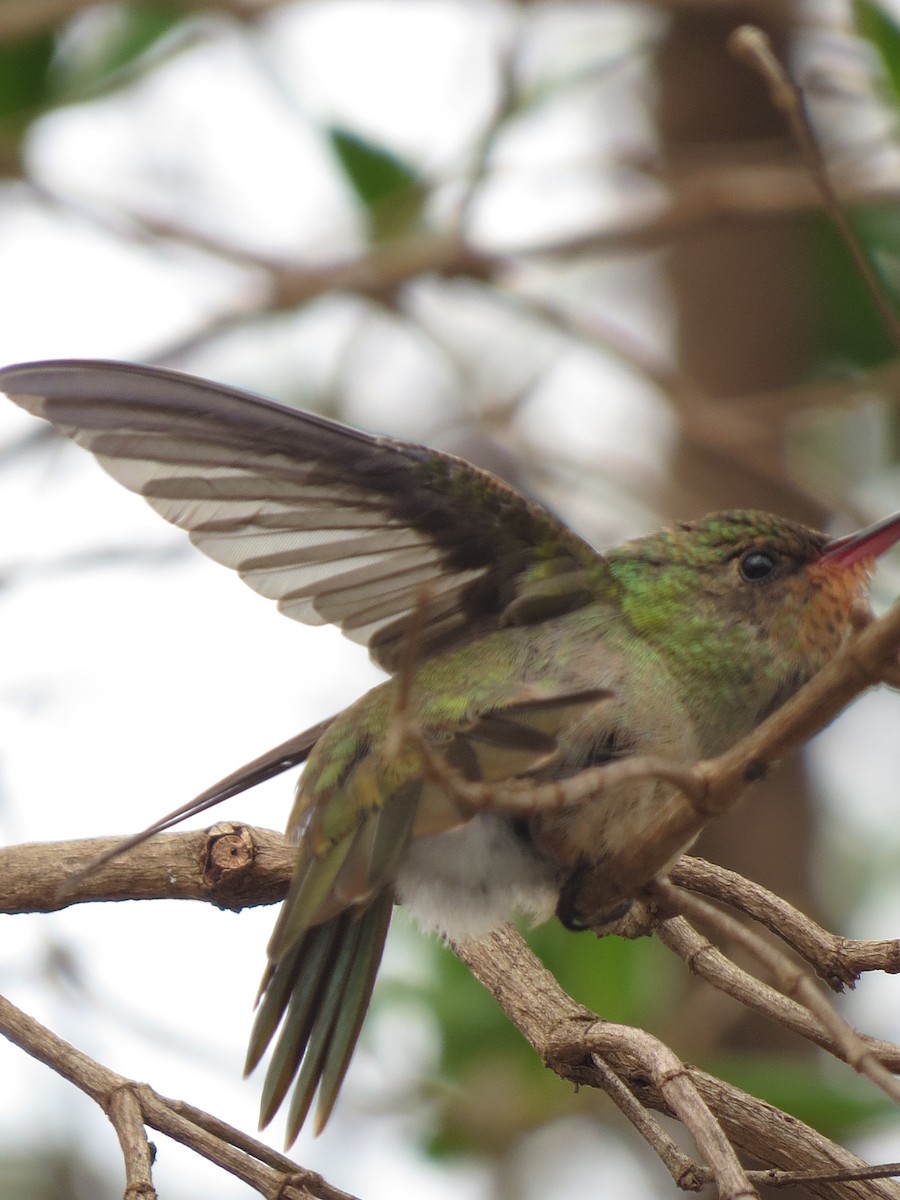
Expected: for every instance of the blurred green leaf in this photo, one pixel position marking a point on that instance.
(26, 76)
(879, 26)
(631, 981)
(127, 35)
(849, 333)
(389, 189)
(39, 72)
(65, 65)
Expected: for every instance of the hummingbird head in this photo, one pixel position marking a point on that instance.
(746, 605)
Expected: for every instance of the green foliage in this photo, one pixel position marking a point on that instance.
(879, 26)
(122, 45)
(848, 332)
(629, 981)
(389, 189)
(44, 70)
(26, 75)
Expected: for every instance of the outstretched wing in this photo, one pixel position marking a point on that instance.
(335, 525)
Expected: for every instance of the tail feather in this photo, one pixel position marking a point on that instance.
(292, 999)
(371, 933)
(318, 992)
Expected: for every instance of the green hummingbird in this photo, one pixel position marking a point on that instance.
(518, 652)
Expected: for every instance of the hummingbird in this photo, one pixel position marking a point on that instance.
(517, 652)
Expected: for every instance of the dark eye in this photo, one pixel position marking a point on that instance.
(757, 565)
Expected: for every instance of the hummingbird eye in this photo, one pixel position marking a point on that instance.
(757, 565)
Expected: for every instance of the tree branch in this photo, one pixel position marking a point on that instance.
(838, 960)
(566, 1036)
(235, 866)
(130, 1106)
(230, 865)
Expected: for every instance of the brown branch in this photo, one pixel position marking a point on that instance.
(566, 1036)
(778, 406)
(829, 1028)
(131, 1105)
(682, 1098)
(838, 960)
(780, 1179)
(687, 1174)
(755, 48)
(714, 196)
(230, 865)
(124, 1111)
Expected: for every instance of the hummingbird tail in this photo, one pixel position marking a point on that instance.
(319, 993)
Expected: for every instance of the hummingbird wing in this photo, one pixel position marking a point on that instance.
(336, 525)
(402, 547)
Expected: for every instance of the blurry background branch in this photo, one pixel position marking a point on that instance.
(131, 1105)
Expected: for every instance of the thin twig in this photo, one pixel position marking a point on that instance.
(676, 1086)
(243, 1157)
(688, 1175)
(753, 47)
(793, 982)
(780, 1179)
(124, 1111)
(710, 964)
(838, 960)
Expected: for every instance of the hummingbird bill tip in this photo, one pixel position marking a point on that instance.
(870, 542)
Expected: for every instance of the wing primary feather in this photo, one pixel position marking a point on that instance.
(224, 464)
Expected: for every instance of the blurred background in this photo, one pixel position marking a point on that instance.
(570, 241)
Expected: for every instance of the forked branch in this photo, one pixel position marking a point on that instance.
(235, 866)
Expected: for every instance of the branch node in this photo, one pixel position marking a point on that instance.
(227, 854)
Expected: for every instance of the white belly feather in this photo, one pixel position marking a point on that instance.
(473, 879)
